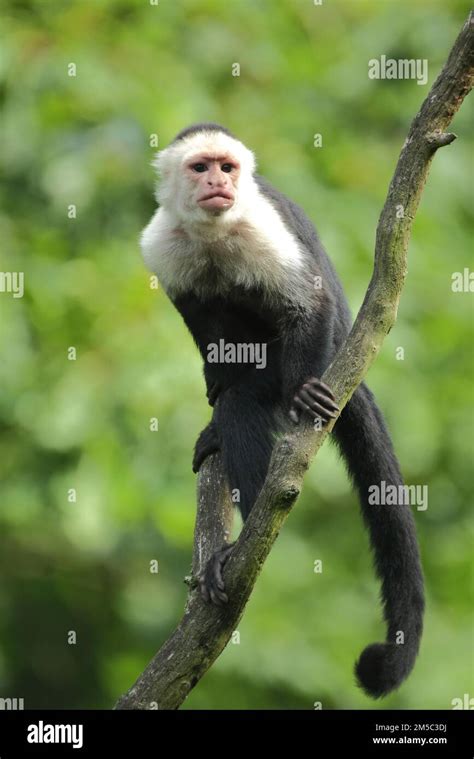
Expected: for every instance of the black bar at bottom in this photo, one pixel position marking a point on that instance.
(154, 733)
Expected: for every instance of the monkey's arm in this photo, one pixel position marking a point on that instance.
(307, 349)
(208, 323)
(203, 326)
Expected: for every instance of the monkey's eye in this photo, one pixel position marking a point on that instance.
(199, 167)
(227, 167)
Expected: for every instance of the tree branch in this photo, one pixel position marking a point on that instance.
(205, 629)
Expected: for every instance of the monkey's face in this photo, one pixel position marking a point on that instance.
(206, 179)
(212, 180)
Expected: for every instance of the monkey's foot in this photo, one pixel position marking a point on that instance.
(211, 582)
(316, 399)
(207, 443)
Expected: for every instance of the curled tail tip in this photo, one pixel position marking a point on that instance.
(382, 667)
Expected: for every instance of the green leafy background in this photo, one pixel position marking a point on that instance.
(84, 424)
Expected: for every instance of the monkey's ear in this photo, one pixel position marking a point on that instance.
(168, 161)
(248, 160)
(161, 163)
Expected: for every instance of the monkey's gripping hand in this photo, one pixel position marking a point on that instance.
(207, 443)
(211, 582)
(316, 399)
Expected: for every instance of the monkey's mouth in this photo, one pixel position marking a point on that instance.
(219, 200)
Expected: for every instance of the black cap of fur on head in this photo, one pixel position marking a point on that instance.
(206, 126)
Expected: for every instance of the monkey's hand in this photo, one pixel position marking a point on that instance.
(211, 582)
(316, 399)
(207, 443)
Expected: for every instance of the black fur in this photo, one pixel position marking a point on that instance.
(302, 339)
(205, 126)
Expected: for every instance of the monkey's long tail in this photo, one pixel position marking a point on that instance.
(366, 446)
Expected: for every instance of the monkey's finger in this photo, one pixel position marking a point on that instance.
(317, 383)
(318, 396)
(218, 575)
(223, 597)
(218, 597)
(304, 407)
(204, 591)
(294, 415)
(310, 399)
(322, 410)
(210, 594)
(315, 411)
(214, 598)
(218, 569)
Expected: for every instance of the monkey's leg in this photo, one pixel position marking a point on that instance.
(207, 443)
(213, 391)
(246, 423)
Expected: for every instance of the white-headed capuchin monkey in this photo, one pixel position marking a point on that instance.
(245, 267)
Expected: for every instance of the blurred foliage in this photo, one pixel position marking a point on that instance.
(84, 424)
